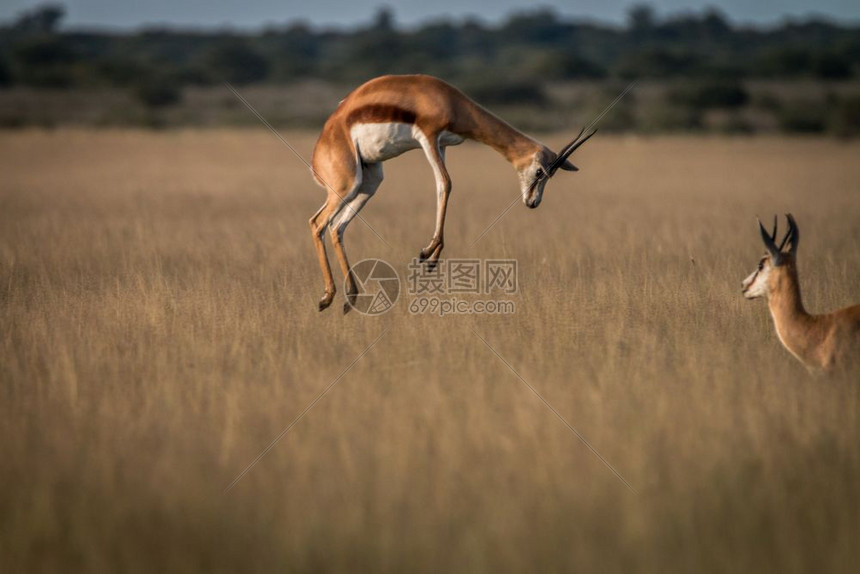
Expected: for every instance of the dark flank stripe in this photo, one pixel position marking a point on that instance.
(380, 113)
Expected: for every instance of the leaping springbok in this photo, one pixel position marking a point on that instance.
(390, 115)
(830, 341)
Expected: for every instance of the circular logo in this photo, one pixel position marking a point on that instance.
(378, 287)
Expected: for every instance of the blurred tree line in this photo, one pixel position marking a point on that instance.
(508, 63)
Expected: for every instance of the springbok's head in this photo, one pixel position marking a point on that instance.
(775, 262)
(543, 165)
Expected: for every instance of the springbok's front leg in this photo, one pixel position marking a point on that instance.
(436, 156)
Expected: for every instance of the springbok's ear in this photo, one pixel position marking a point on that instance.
(567, 166)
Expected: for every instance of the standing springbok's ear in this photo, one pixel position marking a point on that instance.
(793, 234)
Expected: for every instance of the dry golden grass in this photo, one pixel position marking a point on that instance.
(159, 328)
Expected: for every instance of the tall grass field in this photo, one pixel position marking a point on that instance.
(158, 305)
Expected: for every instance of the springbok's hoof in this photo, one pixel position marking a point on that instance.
(326, 301)
(350, 302)
(431, 259)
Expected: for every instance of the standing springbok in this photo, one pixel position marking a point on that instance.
(390, 115)
(830, 341)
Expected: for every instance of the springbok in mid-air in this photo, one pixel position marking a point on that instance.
(390, 115)
(830, 341)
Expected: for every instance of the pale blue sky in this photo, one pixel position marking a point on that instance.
(255, 13)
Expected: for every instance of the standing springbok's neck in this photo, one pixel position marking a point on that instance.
(487, 128)
(797, 330)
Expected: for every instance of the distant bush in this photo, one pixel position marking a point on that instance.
(235, 61)
(119, 72)
(563, 65)
(659, 63)
(507, 92)
(41, 19)
(710, 94)
(671, 118)
(830, 63)
(845, 119)
(832, 66)
(766, 101)
(5, 72)
(780, 61)
(728, 122)
(802, 116)
(158, 92)
(622, 116)
(45, 61)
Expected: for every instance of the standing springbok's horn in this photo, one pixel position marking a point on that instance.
(769, 242)
(793, 236)
(569, 149)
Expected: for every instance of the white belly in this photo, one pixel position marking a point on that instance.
(379, 142)
(447, 138)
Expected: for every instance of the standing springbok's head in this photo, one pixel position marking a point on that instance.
(544, 163)
(775, 262)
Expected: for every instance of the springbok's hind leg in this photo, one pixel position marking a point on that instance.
(370, 180)
(318, 224)
(436, 156)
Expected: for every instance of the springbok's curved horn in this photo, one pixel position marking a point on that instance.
(565, 148)
(569, 149)
(793, 235)
(768, 241)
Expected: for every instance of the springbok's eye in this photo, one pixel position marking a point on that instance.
(761, 265)
(539, 173)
